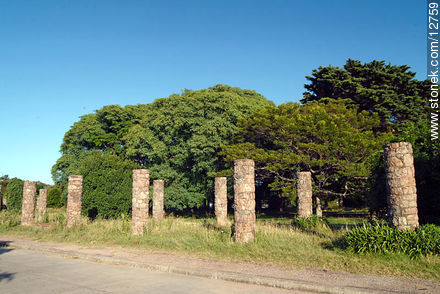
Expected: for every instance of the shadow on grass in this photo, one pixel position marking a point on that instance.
(337, 244)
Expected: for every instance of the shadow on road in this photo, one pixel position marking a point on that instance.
(3, 247)
(6, 276)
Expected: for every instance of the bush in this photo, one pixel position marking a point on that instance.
(14, 194)
(54, 198)
(378, 237)
(107, 181)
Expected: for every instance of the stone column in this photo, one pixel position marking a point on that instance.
(304, 192)
(74, 192)
(318, 207)
(401, 185)
(221, 201)
(244, 201)
(158, 212)
(28, 203)
(139, 214)
(41, 204)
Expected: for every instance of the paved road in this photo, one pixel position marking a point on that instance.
(23, 271)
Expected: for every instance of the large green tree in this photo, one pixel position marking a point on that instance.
(177, 138)
(391, 91)
(401, 102)
(333, 142)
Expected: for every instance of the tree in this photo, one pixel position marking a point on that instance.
(177, 138)
(180, 138)
(107, 182)
(388, 90)
(401, 102)
(14, 194)
(331, 141)
(54, 198)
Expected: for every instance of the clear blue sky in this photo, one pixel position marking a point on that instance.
(63, 59)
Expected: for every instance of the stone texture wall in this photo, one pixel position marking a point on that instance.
(244, 201)
(141, 185)
(158, 189)
(74, 193)
(41, 203)
(304, 192)
(221, 201)
(318, 207)
(401, 185)
(28, 203)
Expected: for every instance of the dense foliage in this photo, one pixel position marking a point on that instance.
(14, 194)
(381, 238)
(176, 138)
(401, 103)
(54, 198)
(331, 141)
(106, 185)
(388, 90)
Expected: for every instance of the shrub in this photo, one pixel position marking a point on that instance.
(14, 194)
(378, 237)
(54, 198)
(106, 185)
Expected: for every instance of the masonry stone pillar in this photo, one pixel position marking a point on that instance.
(158, 189)
(221, 201)
(74, 193)
(244, 201)
(28, 203)
(318, 207)
(304, 192)
(41, 203)
(139, 214)
(401, 185)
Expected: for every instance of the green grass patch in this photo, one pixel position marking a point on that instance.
(283, 245)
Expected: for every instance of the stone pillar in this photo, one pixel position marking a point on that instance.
(41, 204)
(318, 207)
(304, 192)
(139, 214)
(28, 203)
(244, 201)
(401, 185)
(221, 201)
(158, 212)
(74, 192)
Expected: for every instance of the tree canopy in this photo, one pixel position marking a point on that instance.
(333, 142)
(391, 91)
(178, 138)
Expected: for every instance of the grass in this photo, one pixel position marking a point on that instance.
(282, 245)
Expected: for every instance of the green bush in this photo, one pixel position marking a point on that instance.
(107, 181)
(54, 198)
(378, 237)
(14, 194)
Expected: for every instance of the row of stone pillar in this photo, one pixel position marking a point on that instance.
(400, 184)
(401, 195)
(28, 203)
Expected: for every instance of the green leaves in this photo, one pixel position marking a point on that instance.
(380, 238)
(330, 140)
(178, 138)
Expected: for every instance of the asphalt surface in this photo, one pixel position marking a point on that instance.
(29, 266)
(23, 271)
